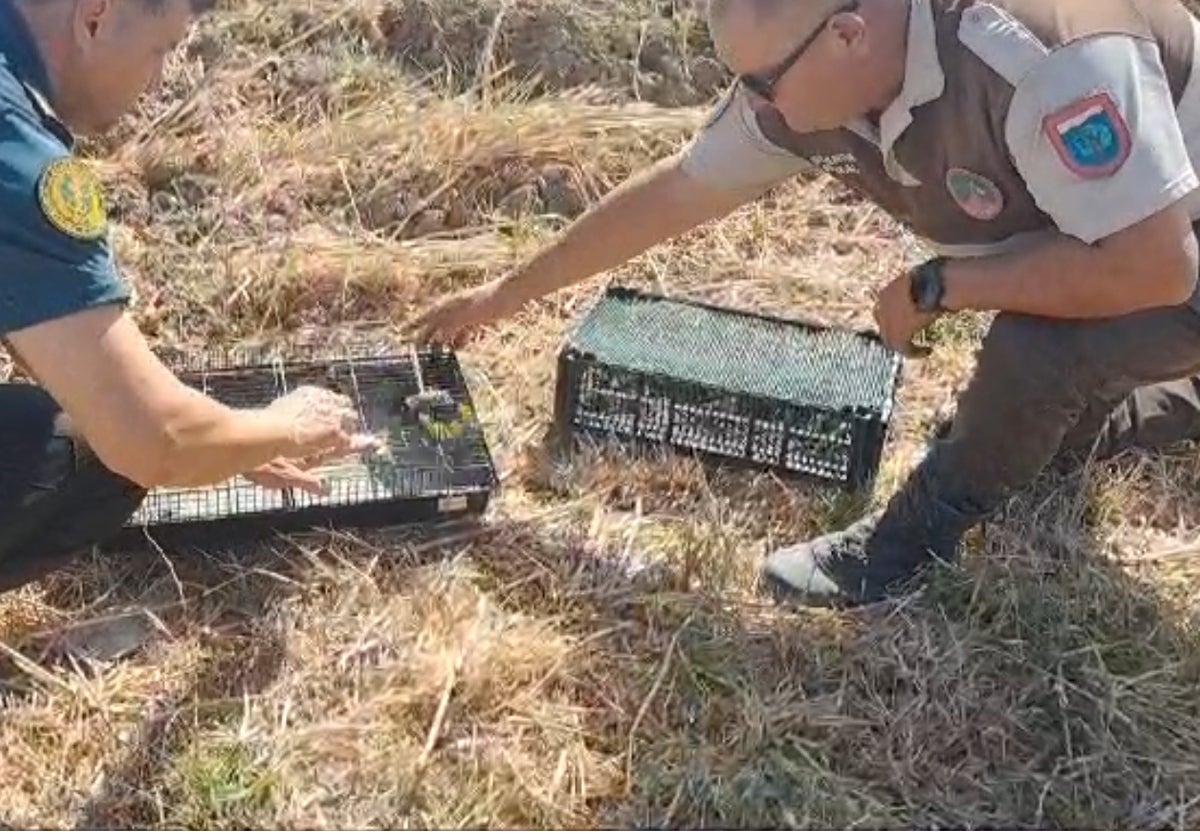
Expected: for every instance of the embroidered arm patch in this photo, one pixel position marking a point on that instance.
(1091, 137)
(1093, 131)
(72, 199)
(53, 246)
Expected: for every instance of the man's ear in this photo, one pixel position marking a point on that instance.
(92, 17)
(850, 30)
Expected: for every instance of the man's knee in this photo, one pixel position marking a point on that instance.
(1043, 347)
(62, 525)
(1027, 367)
(56, 498)
(1012, 415)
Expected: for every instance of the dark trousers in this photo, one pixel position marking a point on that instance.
(57, 499)
(1045, 387)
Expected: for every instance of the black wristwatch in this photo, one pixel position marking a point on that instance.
(928, 285)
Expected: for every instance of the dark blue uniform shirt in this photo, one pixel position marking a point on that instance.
(55, 254)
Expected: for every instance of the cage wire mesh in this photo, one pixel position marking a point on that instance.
(416, 401)
(715, 381)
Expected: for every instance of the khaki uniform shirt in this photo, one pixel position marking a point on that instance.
(1017, 119)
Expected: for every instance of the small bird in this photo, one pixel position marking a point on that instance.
(435, 405)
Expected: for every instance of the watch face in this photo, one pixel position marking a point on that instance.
(929, 289)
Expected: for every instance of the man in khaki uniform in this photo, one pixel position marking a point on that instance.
(1044, 149)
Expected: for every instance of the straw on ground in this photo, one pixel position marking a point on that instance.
(596, 653)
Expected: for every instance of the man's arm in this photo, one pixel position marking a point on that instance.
(1092, 129)
(651, 207)
(61, 314)
(136, 416)
(1152, 263)
(728, 164)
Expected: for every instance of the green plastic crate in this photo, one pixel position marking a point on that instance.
(727, 385)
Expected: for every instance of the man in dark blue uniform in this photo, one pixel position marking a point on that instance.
(102, 420)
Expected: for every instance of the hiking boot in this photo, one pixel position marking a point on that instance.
(864, 562)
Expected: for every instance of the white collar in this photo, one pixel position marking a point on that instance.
(924, 81)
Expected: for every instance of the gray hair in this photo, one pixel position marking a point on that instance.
(198, 6)
(761, 10)
(156, 6)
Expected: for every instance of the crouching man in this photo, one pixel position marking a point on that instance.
(1044, 149)
(105, 421)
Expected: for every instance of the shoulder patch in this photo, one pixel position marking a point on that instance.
(1090, 135)
(71, 198)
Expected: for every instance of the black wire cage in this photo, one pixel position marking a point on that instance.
(649, 372)
(433, 463)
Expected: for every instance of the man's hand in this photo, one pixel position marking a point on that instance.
(145, 424)
(455, 318)
(283, 474)
(898, 319)
(321, 425)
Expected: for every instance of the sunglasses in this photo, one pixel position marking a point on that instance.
(763, 85)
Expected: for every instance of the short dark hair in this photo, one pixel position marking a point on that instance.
(198, 6)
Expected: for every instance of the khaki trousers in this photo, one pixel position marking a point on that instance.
(1044, 387)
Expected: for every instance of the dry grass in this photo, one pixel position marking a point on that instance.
(596, 655)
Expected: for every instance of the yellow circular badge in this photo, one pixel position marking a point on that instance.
(72, 199)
